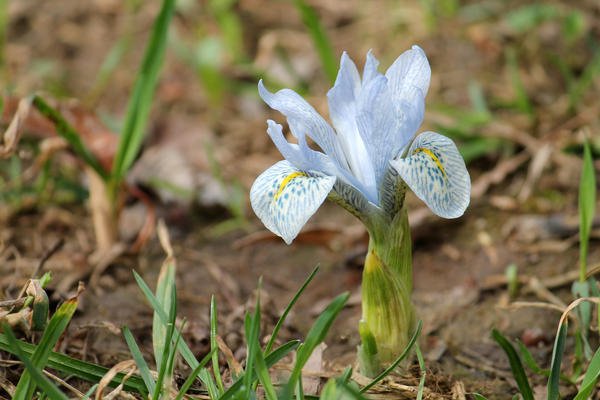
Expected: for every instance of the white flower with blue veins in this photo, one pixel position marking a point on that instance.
(369, 159)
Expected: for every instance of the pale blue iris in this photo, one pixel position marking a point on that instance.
(370, 156)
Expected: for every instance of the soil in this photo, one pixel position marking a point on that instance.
(524, 209)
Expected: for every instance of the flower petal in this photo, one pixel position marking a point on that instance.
(304, 120)
(284, 198)
(300, 155)
(342, 99)
(436, 173)
(410, 71)
(370, 69)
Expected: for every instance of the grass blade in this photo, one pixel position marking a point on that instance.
(70, 135)
(557, 353)
(521, 102)
(190, 380)
(164, 288)
(140, 101)
(47, 387)
(479, 397)
(590, 378)
(409, 346)
(287, 310)
(532, 365)
(183, 348)
(168, 352)
(587, 203)
(72, 366)
(252, 328)
(515, 365)
(320, 39)
(263, 373)
(139, 360)
(315, 336)
(58, 323)
(423, 373)
(213, 344)
(270, 360)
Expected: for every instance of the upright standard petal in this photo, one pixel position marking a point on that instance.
(410, 70)
(408, 83)
(304, 120)
(435, 171)
(284, 198)
(343, 98)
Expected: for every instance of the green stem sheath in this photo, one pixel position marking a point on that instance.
(388, 317)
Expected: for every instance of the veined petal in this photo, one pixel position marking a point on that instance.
(284, 198)
(342, 99)
(435, 171)
(303, 119)
(370, 69)
(300, 155)
(410, 70)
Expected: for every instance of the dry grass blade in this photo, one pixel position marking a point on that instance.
(127, 365)
(12, 135)
(231, 361)
(572, 306)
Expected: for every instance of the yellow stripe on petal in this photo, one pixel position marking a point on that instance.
(433, 156)
(286, 181)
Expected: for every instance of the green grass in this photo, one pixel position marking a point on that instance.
(320, 39)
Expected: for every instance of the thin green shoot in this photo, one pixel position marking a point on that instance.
(169, 352)
(230, 27)
(402, 356)
(89, 392)
(164, 294)
(557, 353)
(512, 277)
(314, 337)
(531, 364)
(36, 375)
(65, 130)
(252, 330)
(72, 366)
(590, 378)
(587, 204)
(260, 366)
(423, 373)
(299, 389)
(183, 348)
(521, 102)
(190, 380)
(586, 80)
(479, 397)
(270, 360)
(108, 67)
(139, 361)
(287, 310)
(515, 365)
(320, 40)
(57, 325)
(214, 345)
(142, 95)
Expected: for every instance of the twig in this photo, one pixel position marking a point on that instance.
(57, 246)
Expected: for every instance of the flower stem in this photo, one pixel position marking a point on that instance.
(388, 319)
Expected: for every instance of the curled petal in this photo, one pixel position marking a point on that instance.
(284, 198)
(304, 120)
(435, 171)
(300, 155)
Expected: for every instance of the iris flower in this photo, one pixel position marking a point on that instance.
(371, 156)
(366, 164)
